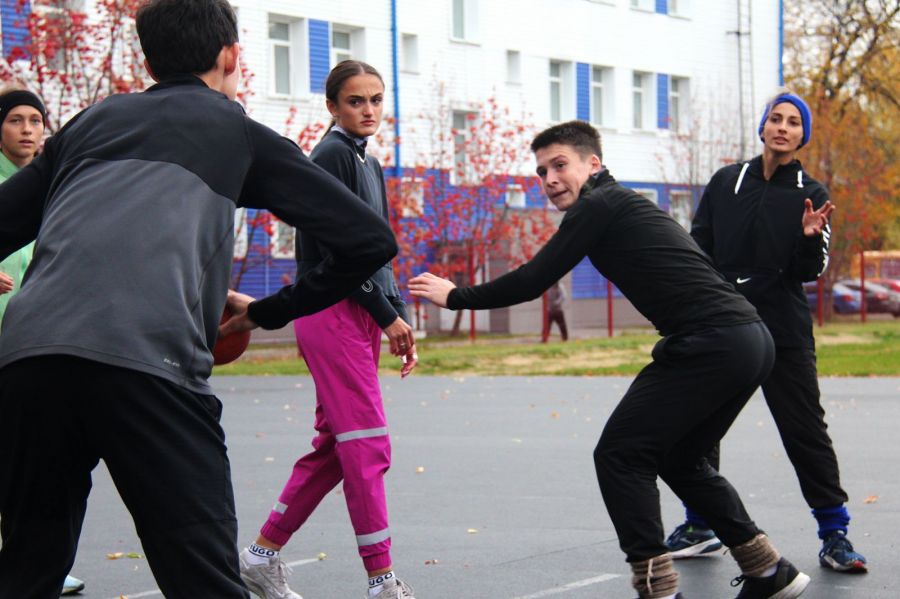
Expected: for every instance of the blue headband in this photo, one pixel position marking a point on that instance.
(805, 115)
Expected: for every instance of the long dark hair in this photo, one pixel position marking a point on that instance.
(339, 75)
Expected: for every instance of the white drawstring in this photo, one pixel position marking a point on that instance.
(741, 177)
(800, 179)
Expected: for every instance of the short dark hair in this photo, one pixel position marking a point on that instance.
(182, 37)
(578, 134)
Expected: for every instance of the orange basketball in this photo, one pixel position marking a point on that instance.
(229, 348)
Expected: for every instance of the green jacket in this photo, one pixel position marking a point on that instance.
(16, 263)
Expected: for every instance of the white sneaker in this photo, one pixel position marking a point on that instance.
(72, 585)
(395, 588)
(268, 581)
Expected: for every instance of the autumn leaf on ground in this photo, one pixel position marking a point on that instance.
(871, 499)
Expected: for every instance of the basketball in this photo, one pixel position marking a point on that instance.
(229, 348)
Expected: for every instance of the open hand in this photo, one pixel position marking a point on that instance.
(431, 287)
(814, 221)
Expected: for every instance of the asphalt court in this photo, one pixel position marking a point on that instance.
(493, 495)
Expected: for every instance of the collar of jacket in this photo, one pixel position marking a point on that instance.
(783, 173)
(176, 80)
(602, 177)
(357, 143)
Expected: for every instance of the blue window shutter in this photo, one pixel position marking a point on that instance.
(14, 21)
(319, 55)
(662, 7)
(583, 91)
(662, 101)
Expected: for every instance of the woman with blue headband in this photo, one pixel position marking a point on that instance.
(765, 223)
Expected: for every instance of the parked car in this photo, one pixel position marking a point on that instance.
(892, 284)
(879, 299)
(844, 299)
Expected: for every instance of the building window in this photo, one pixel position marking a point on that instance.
(678, 100)
(679, 8)
(280, 43)
(340, 46)
(412, 193)
(681, 207)
(464, 20)
(410, 50)
(641, 96)
(462, 172)
(240, 233)
(282, 239)
(601, 95)
(555, 91)
(648, 193)
(515, 196)
(513, 66)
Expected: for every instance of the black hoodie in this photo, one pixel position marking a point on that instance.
(752, 229)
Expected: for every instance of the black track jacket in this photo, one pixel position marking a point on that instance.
(752, 229)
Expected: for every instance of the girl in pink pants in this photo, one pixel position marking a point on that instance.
(341, 346)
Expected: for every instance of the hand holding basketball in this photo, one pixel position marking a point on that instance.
(234, 329)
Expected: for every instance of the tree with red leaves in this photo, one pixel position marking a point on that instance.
(73, 60)
(452, 211)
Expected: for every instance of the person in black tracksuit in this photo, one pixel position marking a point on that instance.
(752, 222)
(714, 352)
(105, 352)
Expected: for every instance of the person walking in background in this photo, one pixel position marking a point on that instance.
(759, 221)
(341, 346)
(556, 299)
(23, 117)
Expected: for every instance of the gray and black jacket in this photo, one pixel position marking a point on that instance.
(752, 229)
(132, 204)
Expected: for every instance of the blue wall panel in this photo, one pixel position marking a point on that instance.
(583, 91)
(662, 101)
(319, 55)
(13, 20)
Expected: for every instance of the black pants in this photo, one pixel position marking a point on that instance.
(559, 317)
(677, 408)
(792, 393)
(164, 449)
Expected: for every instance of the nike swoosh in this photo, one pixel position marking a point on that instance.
(741, 281)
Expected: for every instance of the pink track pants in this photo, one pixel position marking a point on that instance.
(341, 346)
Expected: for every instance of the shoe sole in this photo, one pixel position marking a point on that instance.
(794, 589)
(857, 567)
(73, 590)
(697, 550)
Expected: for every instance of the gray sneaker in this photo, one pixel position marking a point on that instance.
(268, 581)
(395, 589)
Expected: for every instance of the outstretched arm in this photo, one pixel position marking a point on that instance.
(431, 287)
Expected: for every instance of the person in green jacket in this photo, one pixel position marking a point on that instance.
(23, 116)
(22, 130)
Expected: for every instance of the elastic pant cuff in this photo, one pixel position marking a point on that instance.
(755, 556)
(655, 577)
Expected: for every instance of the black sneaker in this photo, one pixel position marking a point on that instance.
(691, 541)
(786, 583)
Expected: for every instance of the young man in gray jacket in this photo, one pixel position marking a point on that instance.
(105, 351)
